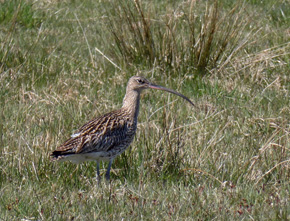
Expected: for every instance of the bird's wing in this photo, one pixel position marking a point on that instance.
(99, 134)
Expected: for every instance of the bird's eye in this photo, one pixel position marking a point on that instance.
(140, 81)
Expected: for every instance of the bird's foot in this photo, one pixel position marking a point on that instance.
(107, 177)
(99, 180)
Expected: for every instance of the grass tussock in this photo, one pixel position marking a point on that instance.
(228, 157)
(193, 36)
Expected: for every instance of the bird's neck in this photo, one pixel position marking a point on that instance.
(131, 103)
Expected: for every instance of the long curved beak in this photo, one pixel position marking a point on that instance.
(157, 87)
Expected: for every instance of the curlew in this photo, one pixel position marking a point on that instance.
(107, 136)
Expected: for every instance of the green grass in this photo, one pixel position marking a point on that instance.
(228, 158)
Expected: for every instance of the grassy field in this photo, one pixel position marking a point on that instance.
(64, 62)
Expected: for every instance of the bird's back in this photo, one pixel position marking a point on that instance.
(104, 138)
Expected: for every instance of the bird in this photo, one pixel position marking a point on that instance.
(107, 136)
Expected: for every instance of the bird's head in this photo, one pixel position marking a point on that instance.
(138, 83)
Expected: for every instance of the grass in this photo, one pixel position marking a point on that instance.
(190, 36)
(226, 159)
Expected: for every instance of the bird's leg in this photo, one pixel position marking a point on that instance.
(98, 171)
(108, 170)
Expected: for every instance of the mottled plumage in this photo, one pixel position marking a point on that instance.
(107, 136)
